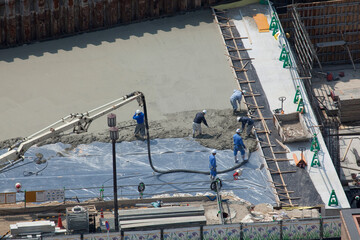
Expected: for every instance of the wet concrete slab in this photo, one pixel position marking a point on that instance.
(179, 63)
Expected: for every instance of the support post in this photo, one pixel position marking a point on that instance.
(116, 208)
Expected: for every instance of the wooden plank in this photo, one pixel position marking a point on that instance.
(239, 49)
(147, 223)
(280, 172)
(162, 215)
(245, 82)
(145, 211)
(282, 145)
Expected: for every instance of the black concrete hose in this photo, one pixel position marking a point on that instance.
(175, 170)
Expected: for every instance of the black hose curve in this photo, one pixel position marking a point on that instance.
(175, 170)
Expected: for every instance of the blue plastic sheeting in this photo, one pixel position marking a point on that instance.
(83, 170)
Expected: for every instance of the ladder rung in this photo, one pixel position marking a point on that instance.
(243, 82)
(240, 49)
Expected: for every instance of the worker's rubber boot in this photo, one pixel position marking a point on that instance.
(236, 160)
(245, 159)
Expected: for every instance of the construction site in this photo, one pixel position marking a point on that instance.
(76, 75)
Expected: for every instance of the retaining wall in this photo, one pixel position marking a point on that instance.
(25, 21)
(321, 228)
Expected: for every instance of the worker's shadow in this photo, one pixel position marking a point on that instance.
(205, 136)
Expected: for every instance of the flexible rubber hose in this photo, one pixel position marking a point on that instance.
(175, 170)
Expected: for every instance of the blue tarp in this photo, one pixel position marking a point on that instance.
(83, 170)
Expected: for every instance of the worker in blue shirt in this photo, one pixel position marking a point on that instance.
(239, 146)
(212, 164)
(199, 118)
(244, 121)
(235, 99)
(140, 126)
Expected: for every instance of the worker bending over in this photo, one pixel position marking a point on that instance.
(244, 121)
(212, 164)
(199, 118)
(239, 146)
(140, 126)
(235, 99)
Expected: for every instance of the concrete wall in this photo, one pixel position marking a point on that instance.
(24, 21)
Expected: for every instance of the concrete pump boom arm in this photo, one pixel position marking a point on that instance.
(78, 122)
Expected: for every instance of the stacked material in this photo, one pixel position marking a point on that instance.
(26, 228)
(327, 99)
(147, 218)
(349, 105)
(261, 22)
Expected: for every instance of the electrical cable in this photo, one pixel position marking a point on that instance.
(175, 170)
(28, 174)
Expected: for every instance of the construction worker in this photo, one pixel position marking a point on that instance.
(244, 121)
(199, 117)
(236, 98)
(239, 145)
(357, 201)
(212, 164)
(140, 126)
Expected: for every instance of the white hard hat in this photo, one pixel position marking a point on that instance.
(243, 91)
(204, 111)
(238, 130)
(213, 151)
(238, 119)
(137, 111)
(239, 172)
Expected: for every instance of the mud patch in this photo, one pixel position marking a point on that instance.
(222, 126)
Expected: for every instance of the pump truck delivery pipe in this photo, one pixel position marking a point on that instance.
(174, 170)
(79, 123)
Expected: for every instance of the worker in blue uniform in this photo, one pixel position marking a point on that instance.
(212, 164)
(239, 146)
(140, 126)
(246, 121)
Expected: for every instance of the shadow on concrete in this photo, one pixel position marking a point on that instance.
(97, 37)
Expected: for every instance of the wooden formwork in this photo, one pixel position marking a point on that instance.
(32, 20)
(333, 28)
